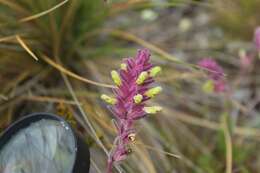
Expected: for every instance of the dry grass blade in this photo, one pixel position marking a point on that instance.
(71, 74)
(3, 97)
(29, 18)
(22, 43)
(228, 143)
(241, 131)
(132, 37)
(95, 165)
(147, 164)
(49, 99)
(82, 112)
(7, 38)
(159, 151)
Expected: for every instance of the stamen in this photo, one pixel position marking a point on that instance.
(123, 66)
(153, 91)
(152, 109)
(116, 77)
(154, 71)
(108, 99)
(142, 77)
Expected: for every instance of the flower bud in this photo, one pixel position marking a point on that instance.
(108, 99)
(155, 70)
(142, 77)
(152, 109)
(116, 78)
(123, 66)
(153, 91)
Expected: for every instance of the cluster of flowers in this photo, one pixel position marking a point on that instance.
(216, 80)
(247, 58)
(257, 39)
(134, 86)
(215, 74)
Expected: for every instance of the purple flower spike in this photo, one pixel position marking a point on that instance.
(215, 73)
(257, 38)
(134, 87)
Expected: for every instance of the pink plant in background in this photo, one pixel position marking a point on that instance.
(215, 73)
(246, 60)
(257, 39)
(133, 88)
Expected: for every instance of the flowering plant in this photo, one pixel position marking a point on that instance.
(215, 74)
(134, 87)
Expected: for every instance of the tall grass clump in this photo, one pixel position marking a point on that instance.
(33, 29)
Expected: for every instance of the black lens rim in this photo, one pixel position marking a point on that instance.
(82, 159)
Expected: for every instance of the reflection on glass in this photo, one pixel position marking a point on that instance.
(46, 146)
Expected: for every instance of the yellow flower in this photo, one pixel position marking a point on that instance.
(153, 91)
(123, 66)
(116, 78)
(108, 99)
(142, 77)
(152, 109)
(155, 70)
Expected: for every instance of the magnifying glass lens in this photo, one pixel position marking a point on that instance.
(45, 146)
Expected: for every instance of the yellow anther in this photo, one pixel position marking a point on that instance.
(131, 137)
(155, 70)
(138, 98)
(123, 66)
(152, 109)
(108, 99)
(141, 78)
(153, 91)
(116, 78)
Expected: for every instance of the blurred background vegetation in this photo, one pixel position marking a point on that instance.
(51, 51)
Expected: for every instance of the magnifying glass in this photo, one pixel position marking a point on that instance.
(42, 143)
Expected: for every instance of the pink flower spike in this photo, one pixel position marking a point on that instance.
(257, 38)
(214, 70)
(134, 83)
(215, 73)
